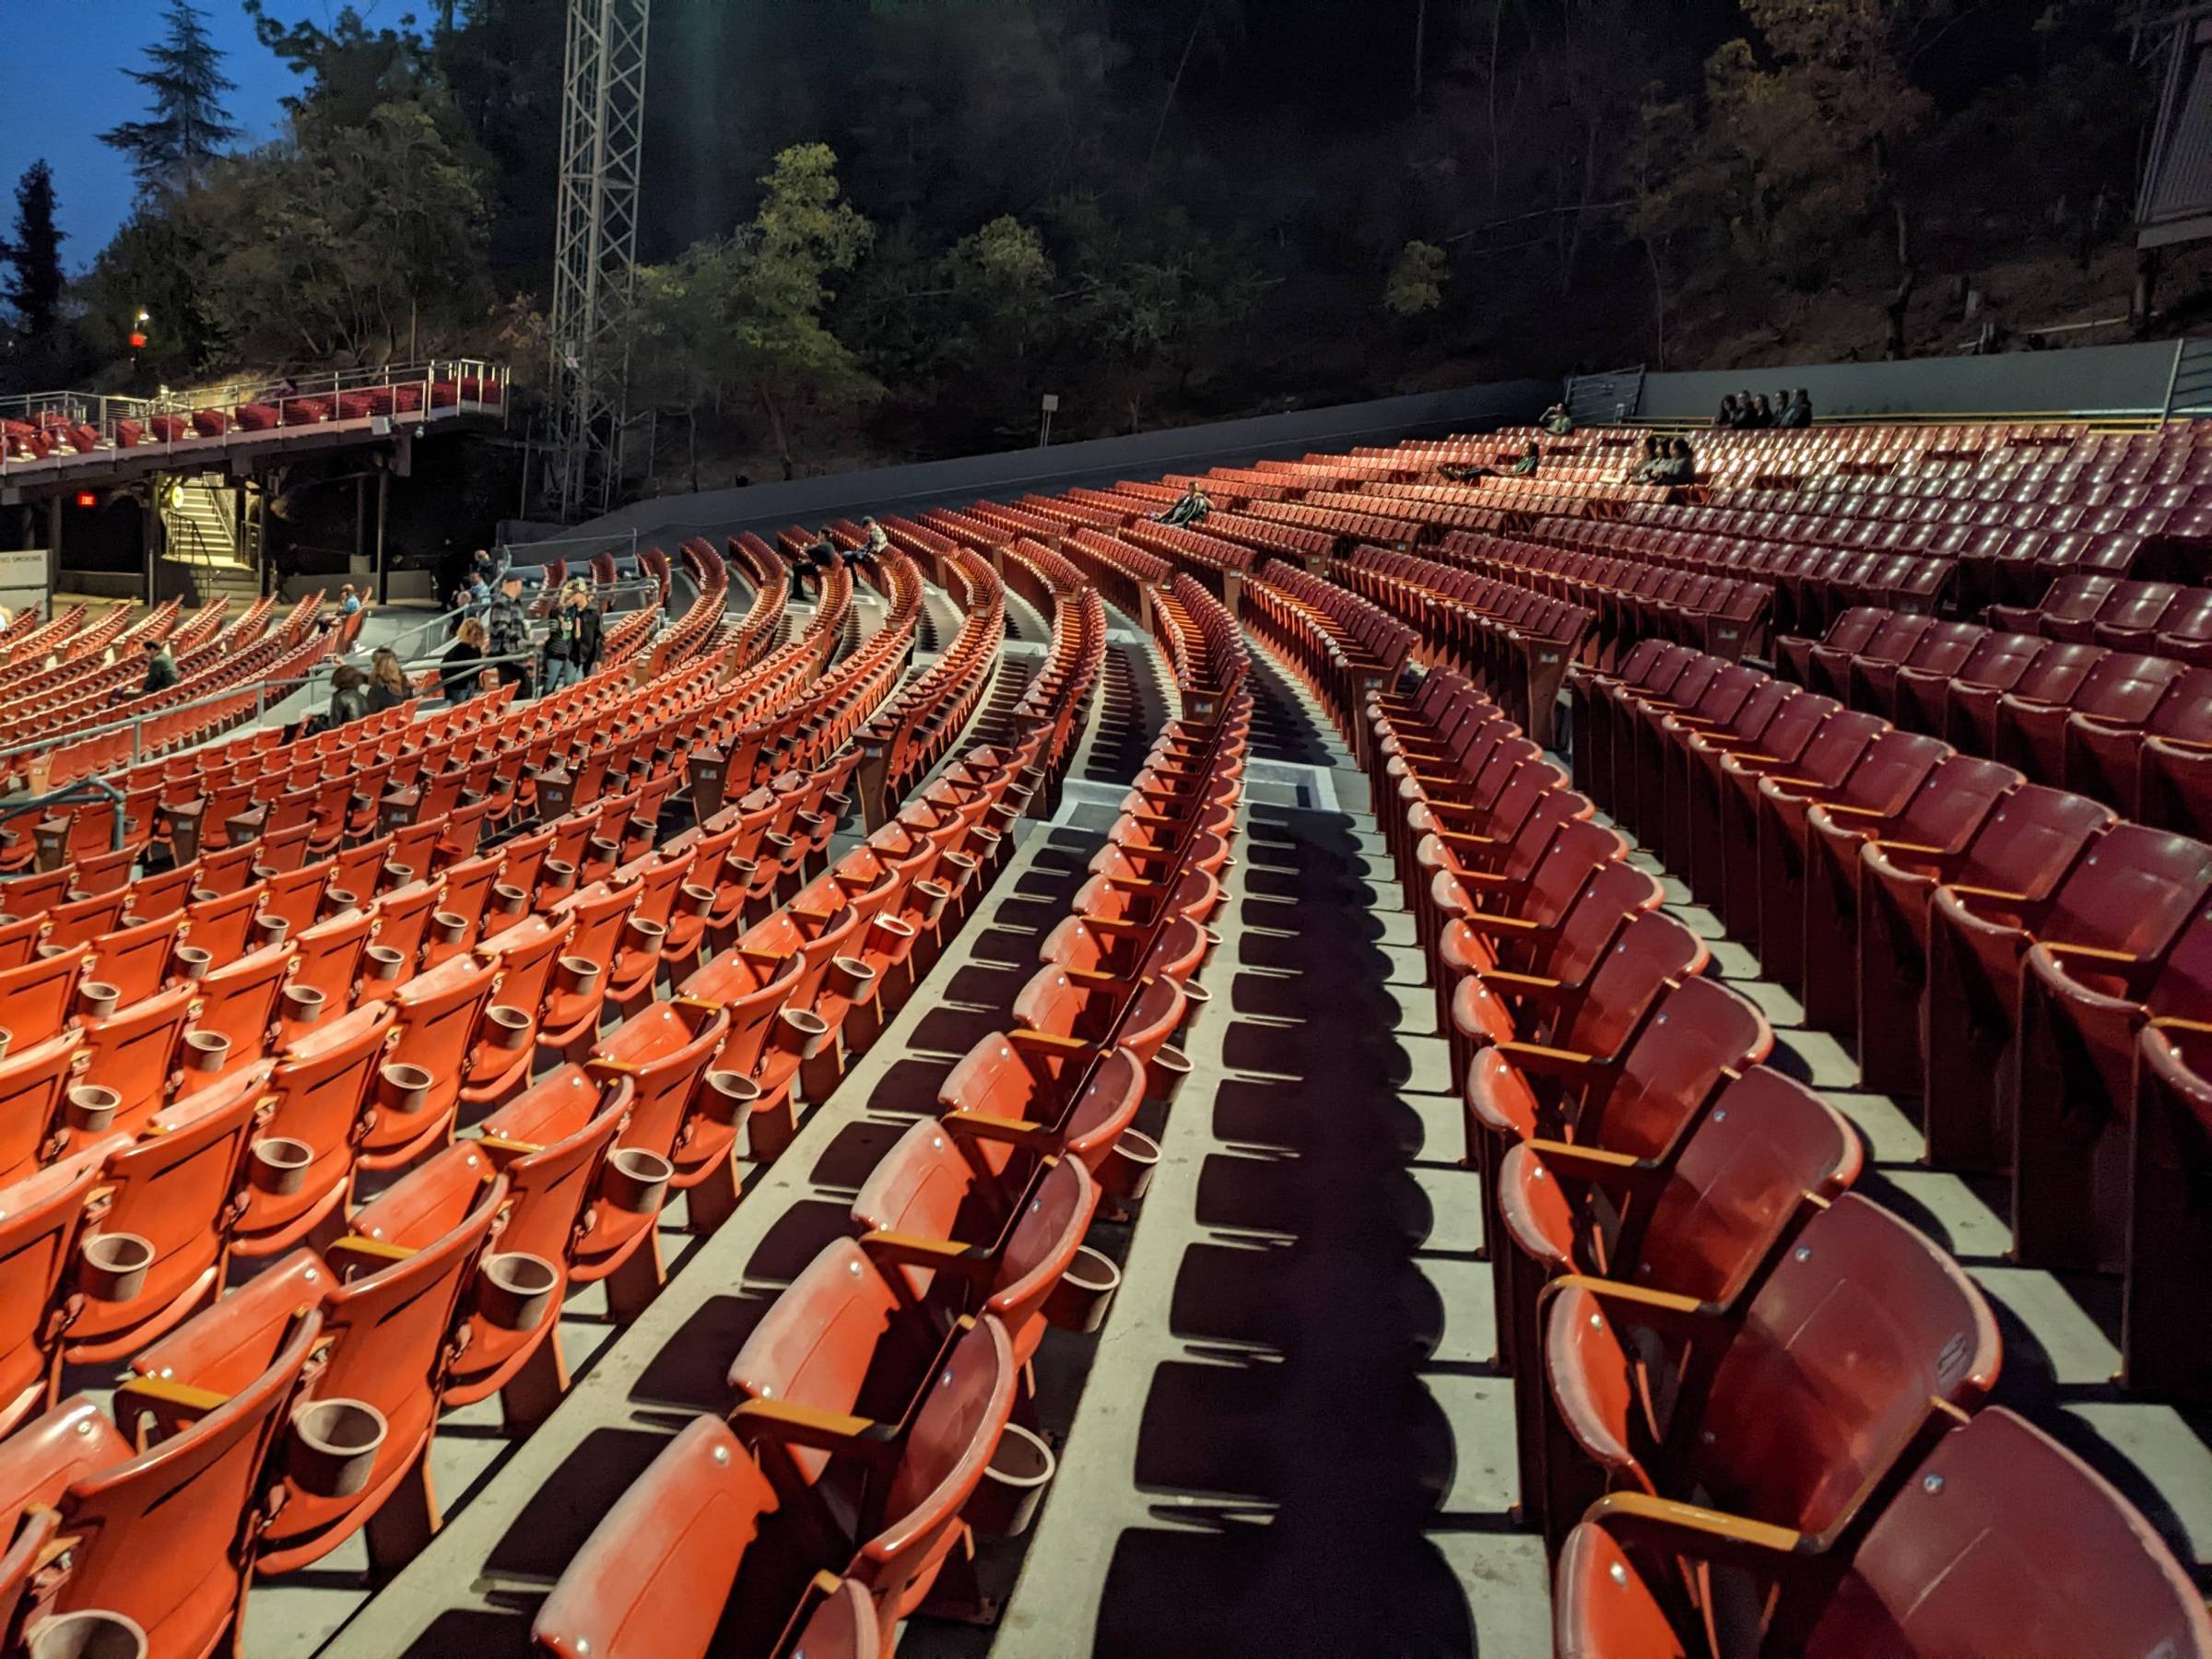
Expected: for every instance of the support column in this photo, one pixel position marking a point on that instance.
(53, 549)
(384, 504)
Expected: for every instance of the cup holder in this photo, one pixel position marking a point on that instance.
(6, 1037)
(696, 901)
(193, 962)
(801, 1032)
(893, 932)
(1078, 1303)
(334, 1447)
(337, 900)
(507, 1028)
(1128, 1169)
(279, 1165)
(1013, 1485)
(205, 1051)
(112, 1266)
(1167, 1072)
(851, 978)
(270, 931)
(555, 877)
(515, 1290)
(507, 900)
(89, 1633)
(95, 999)
(636, 1180)
(384, 962)
(729, 1098)
(302, 1005)
(577, 976)
(90, 1108)
(644, 935)
(401, 1087)
(449, 928)
(935, 896)
(397, 875)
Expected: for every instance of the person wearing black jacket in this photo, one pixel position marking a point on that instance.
(590, 642)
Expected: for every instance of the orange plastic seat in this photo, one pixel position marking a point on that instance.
(1865, 1340)
(300, 1166)
(438, 1015)
(40, 1217)
(2002, 1542)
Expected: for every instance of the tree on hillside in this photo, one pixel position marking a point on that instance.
(351, 70)
(347, 243)
(34, 254)
(745, 312)
(170, 151)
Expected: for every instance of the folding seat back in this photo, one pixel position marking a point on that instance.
(2030, 841)
(84, 919)
(36, 998)
(40, 1217)
(237, 1011)
(438, 1014)
(159, 1535)
(2003, 1542)
(175, 1188)
(321, 1087)
(133, 1051)
(2125, 687)
(654, 1579)
(1853, 1347)
(1632, 972)
(387, 1328)
(34, 1082)
(1003, 1080)
(1740, 1184)
(1894, 636)
(1699, 1031)
(663, 1050)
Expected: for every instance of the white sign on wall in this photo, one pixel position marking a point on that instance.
(23, 579)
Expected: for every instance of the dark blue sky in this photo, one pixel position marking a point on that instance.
(62, 84)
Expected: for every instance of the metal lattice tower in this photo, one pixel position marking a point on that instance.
(595, 245)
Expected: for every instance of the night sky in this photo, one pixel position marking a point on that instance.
(61, 65)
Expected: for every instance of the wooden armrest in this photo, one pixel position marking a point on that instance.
(1616, 1171)
(1631, 1304)
(762, 958)
(173, 1406)
(1091, 979)
(755, 1421)
(2174, 1023)
(1532, 985)
(1487, 922)
(1114, 924)
(1013, 1131)
(1048, 1043)
(2093, 953)
(1459, 839)
(370, 1255)
(1838, 809)
(1664, 1529)
(1551, 1062)
(1981, 895)
(970, 1261)
(515, 1148)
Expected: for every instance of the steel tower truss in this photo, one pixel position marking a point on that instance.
(595, 246)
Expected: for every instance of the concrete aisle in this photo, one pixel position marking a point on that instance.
(1290, 1441)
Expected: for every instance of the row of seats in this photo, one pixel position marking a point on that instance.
(2164, 619)
(1989, 945)
(2129, 729)
(901, 1350)
(1505, 634)
(488, 958)
(1735, 1383)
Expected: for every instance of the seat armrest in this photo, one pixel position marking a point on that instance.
(780, 1421)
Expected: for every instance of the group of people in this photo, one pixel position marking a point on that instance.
(485, 575)
(1523, 467)
(355, 695)
(1744, 412)
(824, 556)
(1665, 460)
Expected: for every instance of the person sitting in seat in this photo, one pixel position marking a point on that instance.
(348, 700)
(1725, 417)
(1466, 472)
(161, 672)
(1763, 414)
(1557, 421)
(1799, 414)
(1678, 466)
(878, 543)
(348, 602)
(1526, 467)
(1190, 508)
(1654, 456)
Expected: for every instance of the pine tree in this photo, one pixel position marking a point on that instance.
(35, 288)
(170, 151)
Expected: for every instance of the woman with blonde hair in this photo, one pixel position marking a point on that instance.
(387, 681)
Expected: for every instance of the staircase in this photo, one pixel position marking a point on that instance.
(205, 544)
